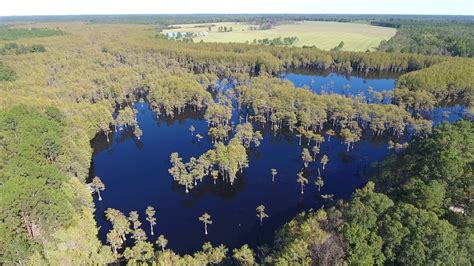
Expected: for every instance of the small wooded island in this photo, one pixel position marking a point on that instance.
(236, 140)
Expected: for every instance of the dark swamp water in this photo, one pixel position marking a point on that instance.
(338, 83)
(135, 173)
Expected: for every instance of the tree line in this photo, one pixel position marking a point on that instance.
(222, 59)
(276, 41)
(280, 105)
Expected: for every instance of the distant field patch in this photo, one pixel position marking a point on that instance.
(325, 35)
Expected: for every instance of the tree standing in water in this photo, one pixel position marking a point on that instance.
(318, 139)
(205, 219)
(316, 151)
(349, 137)
(105, 128)
(162, 242)
(178, 167)
(150, 217)
(215, 175)
(300, 131)
(324, 161)
(138, 234)
(330, 133)
(306, 156)
(187, 181)
(261, 213)
(115, 241)
(120, 228)
(137, 132)
(319, 182)
(299, 138)
(274, 173)
(199, 137)
(97, 185)
(302, 180)
(309, 135)
(192, 129)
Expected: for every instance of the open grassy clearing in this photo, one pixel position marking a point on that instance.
(325, 35)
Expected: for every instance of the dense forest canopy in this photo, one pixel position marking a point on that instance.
(452, 38)
(58, 92)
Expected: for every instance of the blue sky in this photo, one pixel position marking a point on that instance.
(70, 7)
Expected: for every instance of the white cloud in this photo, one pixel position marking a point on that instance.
(68, 7)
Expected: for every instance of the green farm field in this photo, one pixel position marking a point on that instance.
(325, 35)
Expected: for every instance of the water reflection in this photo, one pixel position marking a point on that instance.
(136, 175)
(373, 88)
(337, 83)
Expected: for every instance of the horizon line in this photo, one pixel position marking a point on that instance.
(204, 14)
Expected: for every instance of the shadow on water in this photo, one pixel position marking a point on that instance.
(135, 173)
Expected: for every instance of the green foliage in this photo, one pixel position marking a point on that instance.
(161, 36)
(46, 210)
(295, 253)
(31, 144)
(228, 159)
(280, 104)
(126, 117)
(141, 252)
(431, 175)
(338, 47)
(244, 255)
(452, 38)
(38, 203)
(429, 166)
(15, 49)
(435, 174)
(364, 246)
(286, 41)
(9, 34)
(171, 94)
(416, 236)
(450, 81)
(308, 238)
(6, 73)
(247, 135)
(269, 59)
(429, 196)
(378, 231)
(215, 255)
(77, 244)
(209, 255)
